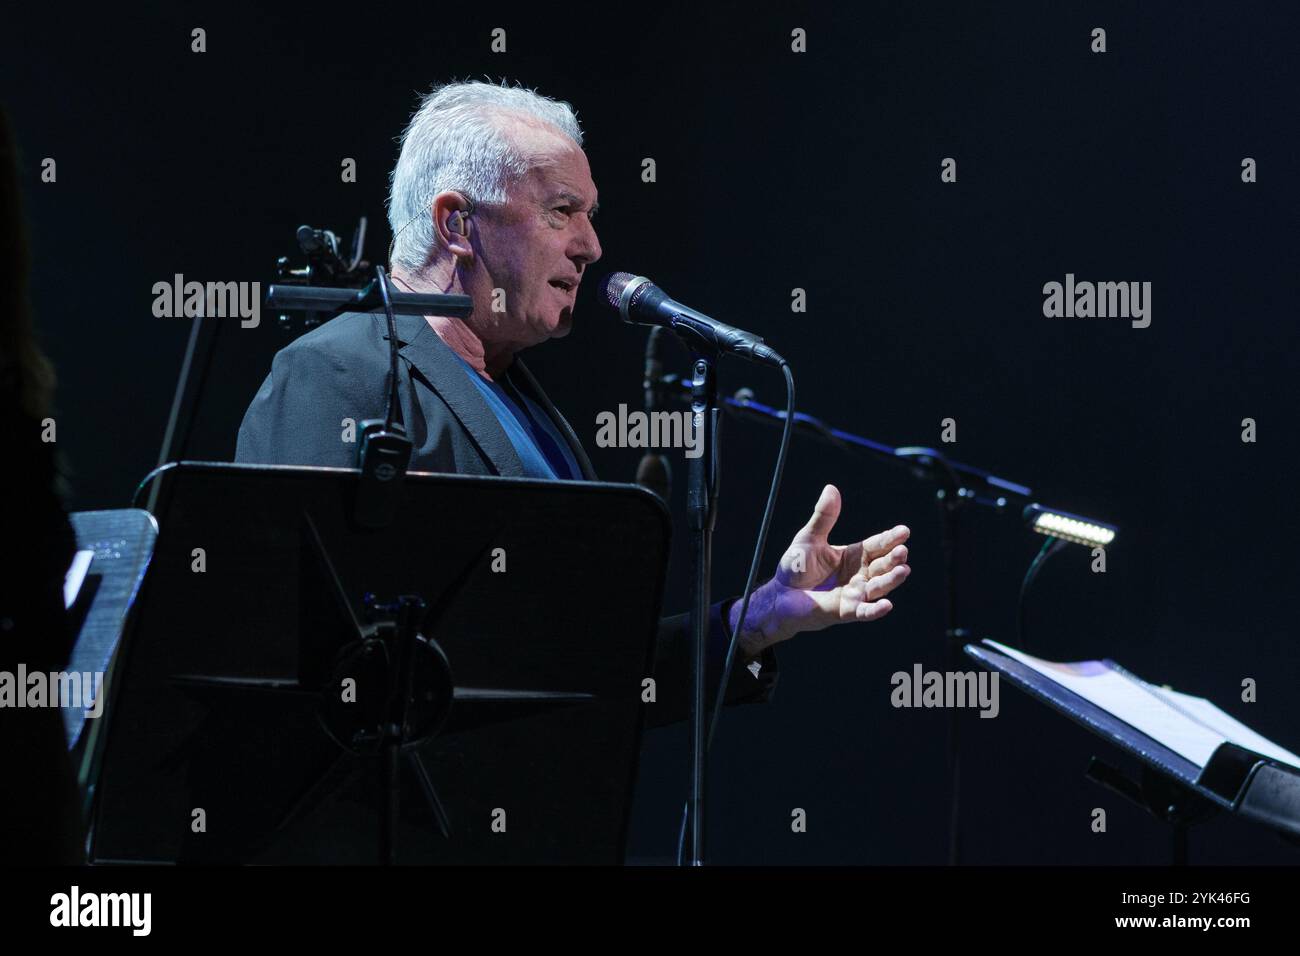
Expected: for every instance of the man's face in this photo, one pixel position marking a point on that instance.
(536, 247)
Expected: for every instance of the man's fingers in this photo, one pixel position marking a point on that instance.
(879, 545)
(825, 514)
(861, 599)
(874, 588)
(879, 587)
(889, 561)
(873, 611)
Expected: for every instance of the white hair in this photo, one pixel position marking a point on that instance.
(457, 140)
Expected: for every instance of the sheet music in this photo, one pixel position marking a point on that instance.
(76, 576)
(1221, 722)
(1190, 726)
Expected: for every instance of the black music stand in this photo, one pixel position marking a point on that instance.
(495, 716)
(1170, 787)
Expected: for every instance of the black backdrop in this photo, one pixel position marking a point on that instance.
(779, 170)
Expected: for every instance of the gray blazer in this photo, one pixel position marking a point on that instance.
(340, 370)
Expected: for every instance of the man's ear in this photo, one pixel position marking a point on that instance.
(453, 223)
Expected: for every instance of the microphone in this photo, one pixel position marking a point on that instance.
(639, 300)
(654, 473)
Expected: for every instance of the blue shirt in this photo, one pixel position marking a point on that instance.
(542, 450)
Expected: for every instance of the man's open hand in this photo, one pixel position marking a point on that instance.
(819, 584)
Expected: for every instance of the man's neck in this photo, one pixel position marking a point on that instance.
(458, 334)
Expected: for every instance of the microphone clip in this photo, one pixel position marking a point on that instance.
(385, 455)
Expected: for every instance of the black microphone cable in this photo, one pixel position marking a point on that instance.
(385, 450)
(394, 403)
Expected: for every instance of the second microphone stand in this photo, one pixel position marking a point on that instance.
(702, 477)
(958, 486)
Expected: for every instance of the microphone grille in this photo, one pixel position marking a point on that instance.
(613, 285)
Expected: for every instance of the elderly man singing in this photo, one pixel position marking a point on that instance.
(492, 197)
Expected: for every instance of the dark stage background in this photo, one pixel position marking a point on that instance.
(779, 170)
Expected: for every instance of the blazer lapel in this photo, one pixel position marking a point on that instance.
(446, 375)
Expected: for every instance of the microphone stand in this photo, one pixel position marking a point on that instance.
(702, 479)
(959, 486)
